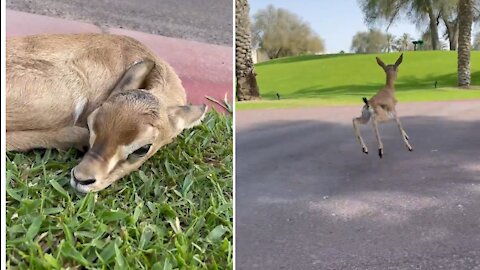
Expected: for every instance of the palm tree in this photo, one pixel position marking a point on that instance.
(426, 7)
(419, 11)
(247, 88)
(449, 15)
(390, 39)
(465, 12)
(403, 42)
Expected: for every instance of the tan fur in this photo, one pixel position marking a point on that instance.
(81, 90)
(381, 108)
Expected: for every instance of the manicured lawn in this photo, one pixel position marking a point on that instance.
(174, 213)
(344, 79)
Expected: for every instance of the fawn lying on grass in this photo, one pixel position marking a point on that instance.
(381, 108)
(105, 92)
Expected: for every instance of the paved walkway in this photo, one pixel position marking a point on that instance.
(308, 198)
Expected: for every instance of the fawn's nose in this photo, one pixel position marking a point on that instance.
(82, 181)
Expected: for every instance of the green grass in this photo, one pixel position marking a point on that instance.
(343, 79)
(174, 213)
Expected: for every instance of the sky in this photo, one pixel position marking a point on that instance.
(335, 21)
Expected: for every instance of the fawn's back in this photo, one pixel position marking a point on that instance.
(49, 78)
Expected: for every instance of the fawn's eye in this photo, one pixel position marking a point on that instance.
(142, 151)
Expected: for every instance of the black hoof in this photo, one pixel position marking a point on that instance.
(410, 149)
(380, 153)
(365, 151)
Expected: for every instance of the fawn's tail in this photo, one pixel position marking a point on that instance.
(366, 101)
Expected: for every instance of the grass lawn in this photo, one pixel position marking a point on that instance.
(343, 79)
(174, 213)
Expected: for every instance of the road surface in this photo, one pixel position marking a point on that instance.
(308, 198)
(208, 21)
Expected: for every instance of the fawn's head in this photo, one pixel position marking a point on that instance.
(127, 129)
(390, 70)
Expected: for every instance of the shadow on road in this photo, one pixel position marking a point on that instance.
(308, 198)
(404, 84)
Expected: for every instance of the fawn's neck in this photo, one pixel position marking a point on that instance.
(391, 80)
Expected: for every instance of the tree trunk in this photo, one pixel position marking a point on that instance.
(247, 88)
(433, 26)
(452, 33)
(465, 19)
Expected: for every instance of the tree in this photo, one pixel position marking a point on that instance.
(418, 11)
(421, 12)
(421, 7)
(391, 44)
(373, 41)
(465, 20)
(247, 88)
(404, 42)
(427, 44)
(476, 42)
(281, 33)
(449, 14)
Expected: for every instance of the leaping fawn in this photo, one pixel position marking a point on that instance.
(381, 108)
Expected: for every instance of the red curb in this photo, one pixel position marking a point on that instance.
(205, 69)
(22, 23)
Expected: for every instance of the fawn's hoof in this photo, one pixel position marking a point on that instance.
(410, 148)
(380, 152)
(365, 150)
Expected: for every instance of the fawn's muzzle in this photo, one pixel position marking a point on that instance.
(78, 181)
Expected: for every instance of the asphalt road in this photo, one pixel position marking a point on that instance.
(207, 21)
(308, 198)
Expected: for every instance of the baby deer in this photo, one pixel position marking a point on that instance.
(381, 108)
(105, 92)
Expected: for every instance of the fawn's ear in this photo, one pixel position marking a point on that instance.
(399, 60)
(134, 76)
(380, 63)
(183, 117)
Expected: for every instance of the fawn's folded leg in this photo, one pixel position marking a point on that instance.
(63, 138)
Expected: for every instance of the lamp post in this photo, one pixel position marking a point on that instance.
(415, 42)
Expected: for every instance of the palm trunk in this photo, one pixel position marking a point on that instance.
(433, 26)
(247, 88)
(452, 33)
(465, 15)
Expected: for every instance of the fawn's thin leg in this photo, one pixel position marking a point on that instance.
(363, 121)
(404, 134)
(377, 134)
(63, 138)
